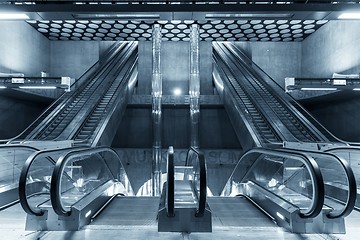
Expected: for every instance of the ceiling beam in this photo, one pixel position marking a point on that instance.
(185, 11)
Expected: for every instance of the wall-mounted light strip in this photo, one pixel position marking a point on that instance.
(37, 87)
(349, 15)
(2, 87)
(13, 16)
(356, 89)
(318, 89)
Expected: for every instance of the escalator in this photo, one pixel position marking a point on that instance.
(77, 186)
(92, 101)
(88, 187)
(265, 105)
(264, 116)
(86, 116)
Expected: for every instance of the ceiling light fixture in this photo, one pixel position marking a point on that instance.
(248, 15)
(13, 16)
(349, 15)
(117, 16)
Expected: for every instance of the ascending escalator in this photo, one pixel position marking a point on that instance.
(281, 115)
(86, 116)
(90, 186)
(291, 187)
(264, 116)
(76, 187)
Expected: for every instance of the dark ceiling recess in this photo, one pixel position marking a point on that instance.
(214, 30)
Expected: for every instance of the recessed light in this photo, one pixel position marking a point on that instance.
(349, 15)
(13, 16)
(177, 91)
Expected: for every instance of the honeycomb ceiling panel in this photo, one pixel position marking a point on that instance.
(215, 30)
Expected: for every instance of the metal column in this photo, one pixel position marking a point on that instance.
(194, 85)
(156, 110)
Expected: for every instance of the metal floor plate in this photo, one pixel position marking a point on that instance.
(128, 211)
(233, 219)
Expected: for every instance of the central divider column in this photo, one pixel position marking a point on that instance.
(194, 86)
(156, 110)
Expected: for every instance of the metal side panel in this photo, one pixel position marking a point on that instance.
(237, 212)
(287, 215)
(184, 219)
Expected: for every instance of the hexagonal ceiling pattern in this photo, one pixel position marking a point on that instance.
(215, 30)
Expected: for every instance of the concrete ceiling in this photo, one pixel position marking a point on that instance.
(215, 30)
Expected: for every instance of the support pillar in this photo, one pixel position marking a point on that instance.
(156, 110)
(194, 86)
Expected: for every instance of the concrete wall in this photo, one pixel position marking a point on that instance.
(23, 49)
(73, 58)
(278, 59)
(332, 48)
(175, 65)
(215, 129)
(18, 111)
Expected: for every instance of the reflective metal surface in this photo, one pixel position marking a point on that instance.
(156, 110)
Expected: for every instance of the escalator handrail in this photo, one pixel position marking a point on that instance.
(350, 178)
(170, 190)
(313, 169)
(23, 177)
(203, 184)
(55, 186)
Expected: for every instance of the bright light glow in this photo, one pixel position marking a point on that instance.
(273, 182)
(88, 214)
(13, 16)
(350, 15)
(37, 87)
(177, 91)
(2, 87)
(318, 89)
(280, 215)
(356, 89)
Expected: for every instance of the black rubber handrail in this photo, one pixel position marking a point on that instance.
(170, 183)
(318, 191)
(350, 178)
(22, 181)
(55, 186)
(203, 184)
